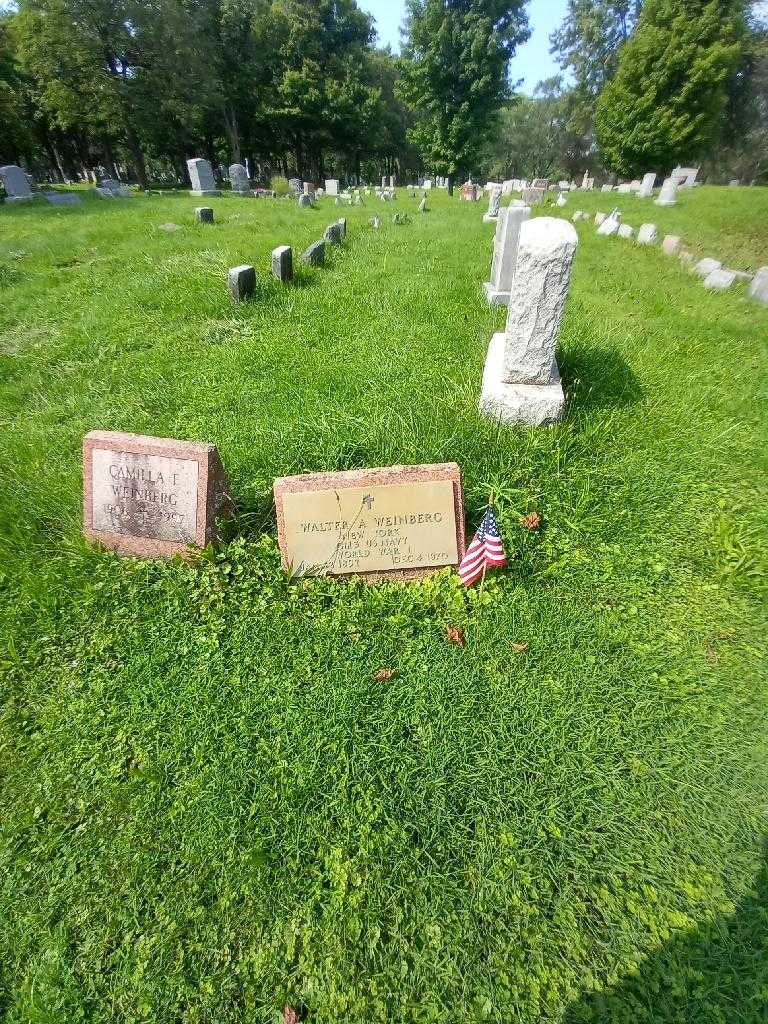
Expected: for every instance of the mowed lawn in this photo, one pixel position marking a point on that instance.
(212, 808)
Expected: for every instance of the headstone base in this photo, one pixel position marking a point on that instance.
(489, 219)
(494, 296)
(205, 191)
(19, 199)
(532, 404)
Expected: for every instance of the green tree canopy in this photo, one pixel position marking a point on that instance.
(454, 74)
(666, 100)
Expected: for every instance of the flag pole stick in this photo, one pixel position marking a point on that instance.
(485, 563)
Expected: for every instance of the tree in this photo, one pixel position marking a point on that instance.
(113, 67)
(587, 45)
(454, 73)
(532, 137)
(666, 101)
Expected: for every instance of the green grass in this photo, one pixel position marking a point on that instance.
(210, 805)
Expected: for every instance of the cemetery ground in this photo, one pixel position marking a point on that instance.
(215, 802)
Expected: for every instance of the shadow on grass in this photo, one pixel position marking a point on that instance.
(598, 378)
(717, 974)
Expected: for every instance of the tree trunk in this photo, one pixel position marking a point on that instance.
(450, 185)
(132, 142)
(232, 130)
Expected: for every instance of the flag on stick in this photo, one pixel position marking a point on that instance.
(485, 552)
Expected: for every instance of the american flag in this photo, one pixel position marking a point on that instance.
(485, 552)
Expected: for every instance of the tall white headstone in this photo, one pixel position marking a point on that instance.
(521, 382)
(331, 186)
(494, 202)
(201, 176)
(647, 185)
(505, 246)
(668, 194)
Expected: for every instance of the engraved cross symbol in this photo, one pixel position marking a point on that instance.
(368, 501)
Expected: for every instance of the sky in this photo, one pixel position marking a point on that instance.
(532, 61)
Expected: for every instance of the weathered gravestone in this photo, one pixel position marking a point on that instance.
(494, 203)
(671, 245)
(542, 183)
(561, 200)
(532, 196)
(241, 282)
(305, 200)
(705, 267)
(668, 194)
(17, 188)
(294, 184)
(314, 254)
(468, 192)
(333, 233)
(758, 289)
(521, 381)
(61, 198)
(282, 263)
(423, 206)
(684, 177)
(505, 245)
(600, 217)
(204, 214)
(238, 180)
(647, 185)
(331, 186)
(647, 234)
(719, 280)
(398, 522)
(625, 231)
(201, 176)
(342, 222)
(151, 496)
(610, 226)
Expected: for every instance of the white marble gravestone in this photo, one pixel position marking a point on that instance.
(17, 189)
(668, 194)
(610, 226)
(647, 185)
(494, 202)
(201, 176)
(505, 245)
(521, 381)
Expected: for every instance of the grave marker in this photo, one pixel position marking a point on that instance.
(647, 234)
(241, 282)
(17, 188)
(398, 522)
(204, 214)
(282, 263)
(201, 176)
(521, 381)
(314, 254)
(151, 496)
(238, 180)
(505, 246)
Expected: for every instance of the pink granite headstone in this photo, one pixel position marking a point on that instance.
(151, 496)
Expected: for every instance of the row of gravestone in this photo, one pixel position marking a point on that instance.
(18, 189)
(715, 276)
(241, 280)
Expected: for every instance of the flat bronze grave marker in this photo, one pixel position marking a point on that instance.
(151, 496)
(398, 522)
